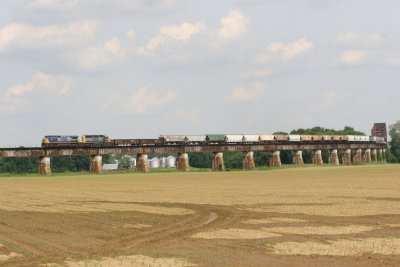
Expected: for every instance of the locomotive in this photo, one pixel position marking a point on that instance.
(209, 139)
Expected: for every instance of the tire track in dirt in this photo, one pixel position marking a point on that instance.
(205, 217)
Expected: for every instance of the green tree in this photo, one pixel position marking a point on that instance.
(394, 151)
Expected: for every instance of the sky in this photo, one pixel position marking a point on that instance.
(141, 68)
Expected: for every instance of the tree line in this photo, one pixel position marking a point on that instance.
(233, 160)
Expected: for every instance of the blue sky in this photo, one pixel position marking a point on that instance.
(142, 68)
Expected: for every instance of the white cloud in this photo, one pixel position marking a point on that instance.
(101, 55)
(172, 33)
(131, 34)
(243, 94)
(26, 36)
(255, 74)
(333, 98)
(359, 39)
(146, 98)
(40, 10)
(353, 57)
(291, 49)
(42, 84)
(233, 26)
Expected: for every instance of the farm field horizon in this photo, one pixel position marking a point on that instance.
(336, 216)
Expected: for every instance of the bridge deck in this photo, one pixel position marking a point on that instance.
(174, 149)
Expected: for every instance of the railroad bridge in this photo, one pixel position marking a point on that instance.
(350, 152)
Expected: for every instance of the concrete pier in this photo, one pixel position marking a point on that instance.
(333, 157)
(317, 158)
(374, 155)
(96, 164)
(142, 163)
(367, 156)
(357, 158)
(275, 160)
(248, 161)
(298, 158)
(218, 162)
(182, 162)
(346, 159)
(44, 166)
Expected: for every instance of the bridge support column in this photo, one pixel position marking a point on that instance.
(182, 163)
(317, 158)
(374, 155)
(346, 159)
(218, 163)
(298, 158)
(380, 155)
(248, 161)
(275, 160)
(96, 164)
(367, 156)
(333, 158)
(357, 159)
(142, 163)
(44, 166)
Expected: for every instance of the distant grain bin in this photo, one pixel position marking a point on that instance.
(132, 163)
(171, 162)
(154, 163)
(110, 167)
(163, 162)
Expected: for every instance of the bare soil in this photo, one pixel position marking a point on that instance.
(323, 216)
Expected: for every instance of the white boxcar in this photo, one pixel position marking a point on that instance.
(234, 138)
(294, 138)
(266, 137)
(195, 139)
(251, 138)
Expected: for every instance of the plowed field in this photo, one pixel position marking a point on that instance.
(321, 216)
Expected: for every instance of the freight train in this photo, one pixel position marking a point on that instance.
(210, 139)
